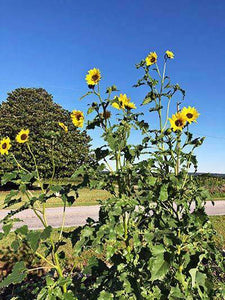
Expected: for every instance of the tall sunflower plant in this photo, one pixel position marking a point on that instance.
(154, 236)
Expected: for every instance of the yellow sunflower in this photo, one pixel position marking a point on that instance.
(5, 146)
(191, 114)
(169, 54)
(93, 77)
(129, 105)
(120, 99)
(178, 121)
(151, 59)
(77, 117)
(63, 126)
(124, 103)
(22, 136)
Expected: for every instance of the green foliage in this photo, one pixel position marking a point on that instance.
(18, 274)
(33, 108)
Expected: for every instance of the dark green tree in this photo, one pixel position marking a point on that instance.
(35, 109)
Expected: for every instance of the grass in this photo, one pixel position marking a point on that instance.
(218, 198)
(86, 197)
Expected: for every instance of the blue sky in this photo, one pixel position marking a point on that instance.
(52, 44)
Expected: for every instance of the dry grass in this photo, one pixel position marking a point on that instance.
(218, 223)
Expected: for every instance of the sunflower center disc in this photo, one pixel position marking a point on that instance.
(4, 146)
(95, 77)
(178, 123)
(23, 137)
(189, 115)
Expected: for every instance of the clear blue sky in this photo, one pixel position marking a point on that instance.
(52, 43)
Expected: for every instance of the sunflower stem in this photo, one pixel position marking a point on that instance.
(18, 164)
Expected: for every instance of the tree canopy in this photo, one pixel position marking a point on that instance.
(34, 109)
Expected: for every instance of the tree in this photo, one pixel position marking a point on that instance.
(34, 109)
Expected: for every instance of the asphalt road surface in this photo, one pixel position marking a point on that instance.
(76, 216)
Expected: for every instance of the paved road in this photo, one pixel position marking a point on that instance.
(76, 216)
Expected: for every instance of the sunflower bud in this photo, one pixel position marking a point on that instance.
(106, 115)
(94, 104)
(168, 131)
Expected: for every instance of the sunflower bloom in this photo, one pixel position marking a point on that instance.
(120, 99)
(63, 126)
(5, 145)
(77, 117)
(129, 105)
(151, 59)
(116, 105)
(22, 136)
(191, 114)
(178, 121)
(169, 54)
(93, 77)
(124, 102)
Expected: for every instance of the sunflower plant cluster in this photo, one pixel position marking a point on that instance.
(153, 238)
(154, 233)
(47, 252)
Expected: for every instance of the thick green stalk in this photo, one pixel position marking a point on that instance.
(63, 220)
(36, 167)
(160, 94)
(160, 98)
(178, 154)
(45, 259)
(117, 156)
(60, 273)
(53, 164)
(110, 169)
(178, 147)
(188, 166)
(167, 114)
